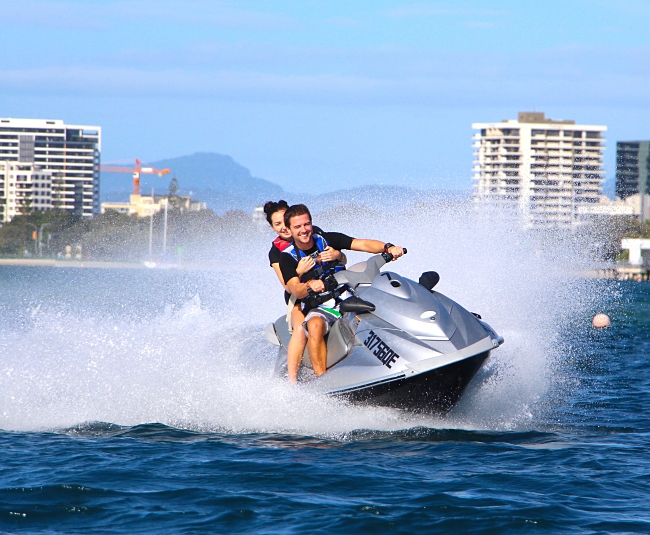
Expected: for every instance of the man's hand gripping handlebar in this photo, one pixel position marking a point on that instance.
(388, 257)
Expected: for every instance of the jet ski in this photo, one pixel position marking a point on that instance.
(399, 343)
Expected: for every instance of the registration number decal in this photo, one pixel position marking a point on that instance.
(381, 350)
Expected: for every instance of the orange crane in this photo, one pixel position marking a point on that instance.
(137, 171)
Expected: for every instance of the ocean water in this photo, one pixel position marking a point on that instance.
(141, 401)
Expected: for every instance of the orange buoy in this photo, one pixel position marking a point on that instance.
(601, 320)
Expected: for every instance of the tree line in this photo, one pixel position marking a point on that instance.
(114, 236)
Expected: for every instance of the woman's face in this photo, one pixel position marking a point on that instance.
(277, 222)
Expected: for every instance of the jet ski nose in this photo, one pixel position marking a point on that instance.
(428, 315)
(393, 284)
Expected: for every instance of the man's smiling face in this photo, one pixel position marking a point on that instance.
(300, 227)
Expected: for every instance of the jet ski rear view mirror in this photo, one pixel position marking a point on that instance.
(429, 279)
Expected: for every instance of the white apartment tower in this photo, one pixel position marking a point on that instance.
(47, 164)
(23, 188)
(543, 167)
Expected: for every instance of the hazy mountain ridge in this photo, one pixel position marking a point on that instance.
(225, 185)
(210, 177)
(386, 199)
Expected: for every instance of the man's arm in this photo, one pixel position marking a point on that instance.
(375, 246)
(301, 289)
(291, 275)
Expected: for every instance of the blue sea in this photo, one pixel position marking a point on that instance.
(141, 401)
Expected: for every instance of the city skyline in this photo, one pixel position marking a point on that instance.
(325, 95)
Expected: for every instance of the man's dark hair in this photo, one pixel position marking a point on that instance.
(271, 207)
(295, 210)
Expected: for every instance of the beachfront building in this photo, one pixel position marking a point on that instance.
(147, 205)
(631, 206)
(542, 168)
(68, 154)
(632, 168)
(24, 187)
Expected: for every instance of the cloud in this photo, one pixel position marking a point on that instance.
(569, 63)
(481, 25)
(268, 71)
(561, 77)
(427, 10)
(342, 22)
(102, 16)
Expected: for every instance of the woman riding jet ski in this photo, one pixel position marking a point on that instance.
(397, 343)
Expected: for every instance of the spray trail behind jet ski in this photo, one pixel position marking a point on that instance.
(116, 354)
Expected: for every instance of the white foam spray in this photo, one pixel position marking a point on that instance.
(205, 365)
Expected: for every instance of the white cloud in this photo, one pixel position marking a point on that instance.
(93, 16)
(561, 77)
(481, 25)
(427, 10)
(343, 22)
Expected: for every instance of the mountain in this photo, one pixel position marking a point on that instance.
(209, 170)
(210, 177)
(225, 185)
(381, 198)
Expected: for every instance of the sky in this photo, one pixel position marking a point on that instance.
(323, 95)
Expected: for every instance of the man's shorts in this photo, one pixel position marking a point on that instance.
(329, 315)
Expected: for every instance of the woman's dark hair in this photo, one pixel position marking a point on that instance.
(293, 211)
(271, 207)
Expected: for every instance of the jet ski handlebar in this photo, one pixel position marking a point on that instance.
(363, 272)
(389, 257)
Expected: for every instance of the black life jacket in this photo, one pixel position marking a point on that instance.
(320, 271)
(323, 271)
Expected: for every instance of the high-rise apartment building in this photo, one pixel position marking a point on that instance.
(632, 168)
(545, 168)
(23, 188)
(38, 155)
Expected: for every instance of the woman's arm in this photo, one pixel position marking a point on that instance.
(306, 263)
(330, 254)
(276, 268)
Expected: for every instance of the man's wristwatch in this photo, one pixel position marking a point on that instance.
(387, 246)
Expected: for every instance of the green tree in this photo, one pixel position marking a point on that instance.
(173, 187)
(173, 198)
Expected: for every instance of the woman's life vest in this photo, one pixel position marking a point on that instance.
(281, 244)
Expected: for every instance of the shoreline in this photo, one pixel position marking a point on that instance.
(104, 264)
(639, 274)
(52, 262)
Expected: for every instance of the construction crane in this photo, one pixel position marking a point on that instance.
(137, 171)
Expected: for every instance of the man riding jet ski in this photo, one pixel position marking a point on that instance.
(394, 342)
(317, 289)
